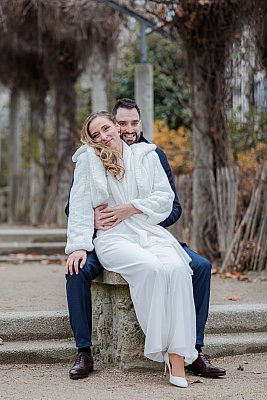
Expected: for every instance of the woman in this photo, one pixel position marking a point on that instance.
(133, 183)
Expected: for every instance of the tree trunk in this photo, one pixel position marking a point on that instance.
(38, 155)
(214, 181)
(99, 66)
(66, 127)
(14, 153)
(204, 229)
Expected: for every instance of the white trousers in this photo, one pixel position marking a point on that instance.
(161, 291)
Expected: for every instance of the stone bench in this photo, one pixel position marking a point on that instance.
(117, 336)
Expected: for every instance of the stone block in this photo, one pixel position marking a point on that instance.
(117, 337)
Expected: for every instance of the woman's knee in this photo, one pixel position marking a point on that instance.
(179, 271)
(154, 269)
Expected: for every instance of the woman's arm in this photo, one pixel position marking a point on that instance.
(81, 217)
(156, 205)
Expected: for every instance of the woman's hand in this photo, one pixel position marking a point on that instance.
(112, 216)
(101, 223)
(72, 262)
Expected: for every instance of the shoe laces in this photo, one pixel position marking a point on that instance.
(206, 357)
(79, 356)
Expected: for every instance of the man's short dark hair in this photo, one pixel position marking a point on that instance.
(124, 103)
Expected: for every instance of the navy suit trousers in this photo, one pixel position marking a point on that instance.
(78, 289)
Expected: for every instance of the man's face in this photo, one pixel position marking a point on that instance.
(129, 124)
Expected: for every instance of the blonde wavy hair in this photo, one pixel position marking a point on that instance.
(111, 159)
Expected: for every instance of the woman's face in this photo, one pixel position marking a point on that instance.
(102, 130)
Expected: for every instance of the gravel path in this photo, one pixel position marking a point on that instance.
(41, 287)
(36, 286)
(51, 382)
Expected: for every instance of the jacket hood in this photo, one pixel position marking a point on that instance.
(142, 148)
(83, 149)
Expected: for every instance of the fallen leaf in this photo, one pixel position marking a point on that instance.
(236, 273)
(257, 372)
(234, 298)
(196, 381)
(243, 278)
(245, 362)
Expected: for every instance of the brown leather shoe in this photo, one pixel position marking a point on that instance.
(203, 367)
(82, 366)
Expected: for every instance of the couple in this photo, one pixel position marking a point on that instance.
(124, 192)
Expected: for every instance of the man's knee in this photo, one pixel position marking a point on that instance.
(202, 274)
(200, 265)
(78, 279)
(91, 269)
(205, 266)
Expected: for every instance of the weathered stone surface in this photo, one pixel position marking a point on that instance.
(116, 332)
(28, 234)
(34, 325)
(28, 247)
(237, 318)
(37, 352)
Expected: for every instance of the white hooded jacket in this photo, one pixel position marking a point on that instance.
(90, 190)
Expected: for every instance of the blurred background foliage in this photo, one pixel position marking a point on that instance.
(249, 132)
(171, 90)
(177, 145)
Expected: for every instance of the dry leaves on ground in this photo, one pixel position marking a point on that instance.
(230, 275)
(191, 381)
(234, 298)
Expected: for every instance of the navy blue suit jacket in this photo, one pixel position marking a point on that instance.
(176, 208)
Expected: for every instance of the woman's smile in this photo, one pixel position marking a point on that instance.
(108, 142)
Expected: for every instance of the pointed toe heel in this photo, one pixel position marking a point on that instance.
(178, 381)
(174, 380)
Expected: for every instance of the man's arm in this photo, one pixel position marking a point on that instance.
(67, 207)
(176, 209)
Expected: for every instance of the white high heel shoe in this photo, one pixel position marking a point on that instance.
(174, 380)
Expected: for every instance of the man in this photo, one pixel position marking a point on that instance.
(126, 116)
